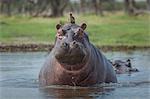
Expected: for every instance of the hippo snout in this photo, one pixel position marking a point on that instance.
(72, 45)
(65, 45)
(70, 53)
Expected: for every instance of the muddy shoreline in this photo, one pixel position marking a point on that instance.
(48, 47)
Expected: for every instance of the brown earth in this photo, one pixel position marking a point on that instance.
(48, 47)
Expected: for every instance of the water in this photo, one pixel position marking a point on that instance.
(19, 79)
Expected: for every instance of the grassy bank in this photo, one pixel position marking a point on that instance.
(112, 29)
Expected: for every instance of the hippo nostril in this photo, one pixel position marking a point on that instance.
(64, 44)
(76, 45)
(74, 42)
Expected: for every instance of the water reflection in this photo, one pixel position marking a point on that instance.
(75, 92)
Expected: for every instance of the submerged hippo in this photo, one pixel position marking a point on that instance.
(123, 66)
(74, 60)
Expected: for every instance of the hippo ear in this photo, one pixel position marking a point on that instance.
(83, 26)
(58, 26)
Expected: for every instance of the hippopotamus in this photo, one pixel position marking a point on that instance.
(122, 67)
(74, 61)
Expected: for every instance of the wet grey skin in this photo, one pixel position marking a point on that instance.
(75, 61)
(122, 67)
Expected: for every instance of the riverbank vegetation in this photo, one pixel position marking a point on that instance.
(111, 29)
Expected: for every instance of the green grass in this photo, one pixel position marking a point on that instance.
(112, 29)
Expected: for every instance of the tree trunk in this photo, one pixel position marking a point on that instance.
(2, 8)
(130, 7)
(56, 12)
(100, 8)
(95, 6)
(6, 7)
(148, 5)
(82, 5)
(9, 8)
(57, 7)
(39, 7)
(113, 5)
(127, 3)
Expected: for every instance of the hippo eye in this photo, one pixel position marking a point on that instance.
(63, 32)
(74, 34)
(68, 28)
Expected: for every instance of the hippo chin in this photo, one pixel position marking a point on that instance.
(74, 60)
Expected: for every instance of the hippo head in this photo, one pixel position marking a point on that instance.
(71, 46)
